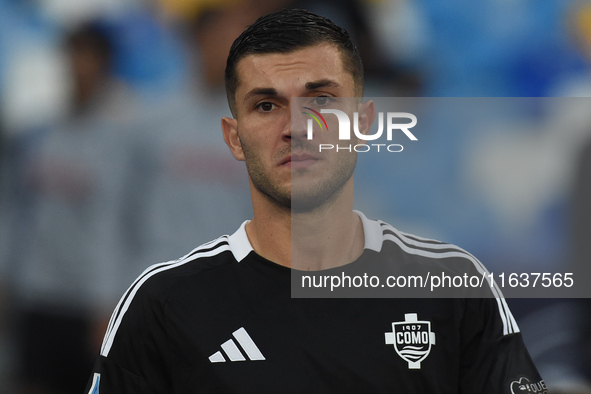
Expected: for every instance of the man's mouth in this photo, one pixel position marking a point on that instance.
(301, 160)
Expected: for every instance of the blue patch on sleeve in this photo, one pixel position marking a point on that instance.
(95, 384)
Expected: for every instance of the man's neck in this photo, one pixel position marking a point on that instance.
(327, 237)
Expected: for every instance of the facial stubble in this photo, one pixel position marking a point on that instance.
(307, 190)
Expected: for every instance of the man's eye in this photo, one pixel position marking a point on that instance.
(266, 106)
(321, 100)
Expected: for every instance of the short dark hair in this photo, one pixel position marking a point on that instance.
(286, 31)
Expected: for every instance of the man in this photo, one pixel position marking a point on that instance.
(222, 320)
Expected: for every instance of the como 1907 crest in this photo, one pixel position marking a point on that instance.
(412, 339)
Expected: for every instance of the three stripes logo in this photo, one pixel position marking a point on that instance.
(231, 350)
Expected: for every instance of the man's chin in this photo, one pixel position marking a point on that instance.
(306, 203)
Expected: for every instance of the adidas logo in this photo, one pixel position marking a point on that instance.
(233, 352)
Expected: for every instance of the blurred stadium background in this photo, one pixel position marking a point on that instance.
(109, 114)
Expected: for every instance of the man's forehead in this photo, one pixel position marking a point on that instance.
(309, 68)
(298, 53)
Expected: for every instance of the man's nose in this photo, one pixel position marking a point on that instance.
(298, 127)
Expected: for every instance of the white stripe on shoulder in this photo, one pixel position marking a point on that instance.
(442, 250)
(206, 250)
(414, 235)
(156, 266)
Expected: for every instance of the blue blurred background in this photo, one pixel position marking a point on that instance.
(112, 159)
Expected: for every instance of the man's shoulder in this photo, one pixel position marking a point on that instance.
(414, 243)
(146, 298)
(415, 249)
(158, 279)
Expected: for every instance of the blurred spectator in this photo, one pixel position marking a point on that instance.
(191, 187)
(65, 273)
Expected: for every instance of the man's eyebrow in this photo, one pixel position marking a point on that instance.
(323, 83)
(260, 92)
(314, 85)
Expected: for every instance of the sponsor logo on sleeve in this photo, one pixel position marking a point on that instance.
(524, 386)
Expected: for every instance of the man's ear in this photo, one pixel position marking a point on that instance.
(367, 114)
(230, 129)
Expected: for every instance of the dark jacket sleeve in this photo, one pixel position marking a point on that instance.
(494, 357)
(133, 356)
